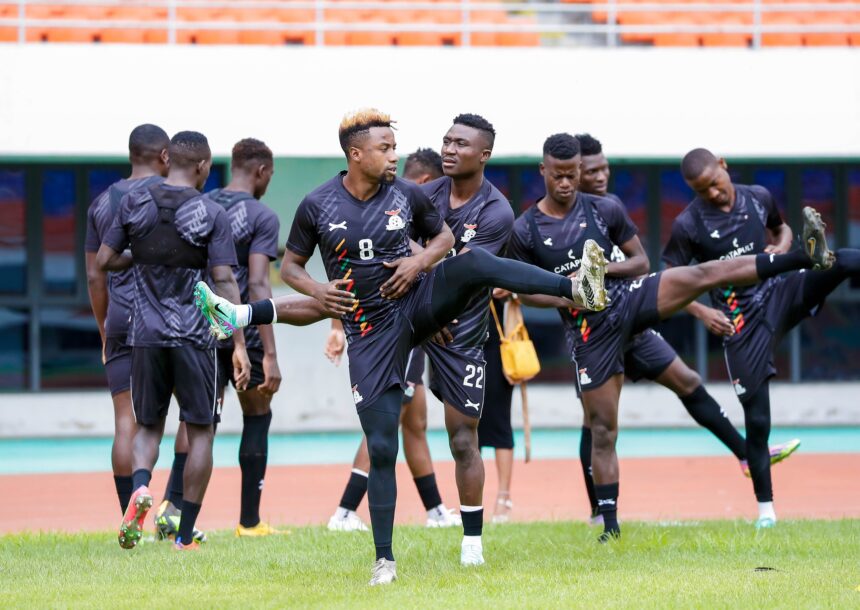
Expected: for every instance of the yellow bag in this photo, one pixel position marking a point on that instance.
(519, 358)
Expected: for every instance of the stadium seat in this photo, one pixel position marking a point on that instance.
(216, 37)
(377, 39)
(125, 36)
(676, 40)
(781, 39)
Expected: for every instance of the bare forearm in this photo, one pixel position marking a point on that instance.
(97, 288)
(259, 291)
(436, 249)
(297, 277)
(227, 287)
(782, 237)
(632, 267)
(697, 310)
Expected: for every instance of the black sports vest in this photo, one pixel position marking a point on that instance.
(750, 238)
(163, 245)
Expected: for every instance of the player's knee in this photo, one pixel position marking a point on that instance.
(463, 442)
(687, 380)
(382, 450)
(603, 436)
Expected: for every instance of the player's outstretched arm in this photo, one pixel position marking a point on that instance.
(333, 298)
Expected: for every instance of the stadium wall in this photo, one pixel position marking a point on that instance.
(315, 396)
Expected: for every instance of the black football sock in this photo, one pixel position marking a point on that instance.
(123, 491)
(262, 312)
(253, 454)
(704, 409)
(175, 486)
(428, 490)
(607, 505)
(355, 490)
(190, 510)
(140, 478)
(381, 422)
(585, 461)
(473, 520)
(757, 416)
(771, 265)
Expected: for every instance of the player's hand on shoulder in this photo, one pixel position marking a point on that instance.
(241, 367)
(717, 323)
(501, 293)
(334, 345)
(271, 375)
(405, 271)
(334, 298)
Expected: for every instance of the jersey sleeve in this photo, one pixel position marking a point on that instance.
(92, 241)
(265, 238)
(426, 220)
(303, 237)
(679, 250)
(116, 237)
(773, 218)
(221, 250)
(494, 228)
(519, 245)
(618, 222)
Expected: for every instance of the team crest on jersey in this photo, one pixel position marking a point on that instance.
(548, 241)
(395, 223)
(356, 397)
(584, 379)
(469, 234)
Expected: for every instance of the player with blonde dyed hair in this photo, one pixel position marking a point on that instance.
(389, 298)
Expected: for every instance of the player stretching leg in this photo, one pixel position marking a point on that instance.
(649, 356)
(726, 220)
(550, 234)
(421, 167)
(255, 234)
(174, 236)
(111, 297)
(361, 221)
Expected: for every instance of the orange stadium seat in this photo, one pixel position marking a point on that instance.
(126, 36)
(676, 40)
(372, 39)
(781, 39)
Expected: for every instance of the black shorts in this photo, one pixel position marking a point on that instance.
(457, 377)
(749, 353)
(190, 373)
(378, 361)
(647, 356)
(494, 428)
(225, 367)
(118, 364)
(414, 373)
(602, 355)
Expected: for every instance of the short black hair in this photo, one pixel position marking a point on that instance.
(695, 162)
(188, 148)
(561, 146)
(358, 123)
(146, 142)
(476, 121)
(249, 151)
(423, 160)
(589, 145)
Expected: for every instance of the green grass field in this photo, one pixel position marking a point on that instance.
(541, 565)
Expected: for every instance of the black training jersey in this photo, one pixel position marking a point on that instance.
(356, 237)
(100, 216)
(485, 221)
(555, 244)
(163, 314)
(255, 229)
(702, 233)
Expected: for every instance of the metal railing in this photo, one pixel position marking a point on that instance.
(470, 22)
